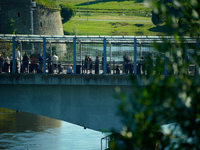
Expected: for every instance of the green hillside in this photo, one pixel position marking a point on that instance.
(108, 17)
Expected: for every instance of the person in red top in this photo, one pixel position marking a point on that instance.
(33, 63)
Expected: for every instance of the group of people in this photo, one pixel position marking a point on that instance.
(6, 63)
(36, 64)
(148, 66)
(29, 63)
(88, 65)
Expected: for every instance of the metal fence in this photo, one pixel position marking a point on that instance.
(116, 54)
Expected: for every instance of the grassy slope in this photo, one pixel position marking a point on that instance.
(112, 22)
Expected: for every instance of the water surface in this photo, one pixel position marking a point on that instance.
(19, 131)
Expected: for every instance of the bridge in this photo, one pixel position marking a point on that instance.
(85, 100)
(135, 47)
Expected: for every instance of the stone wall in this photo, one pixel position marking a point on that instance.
(45, 21)
(19, 11)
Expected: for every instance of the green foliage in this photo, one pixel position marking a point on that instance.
(74, 30)
(172, 99)
(49, 4)
(10, 27)
(54, 49)
(93, 27)
(67, 11)
(156, 20)
(6, 48)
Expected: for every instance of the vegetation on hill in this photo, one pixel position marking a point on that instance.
(50, 4)
(67, 11)
(109, 17)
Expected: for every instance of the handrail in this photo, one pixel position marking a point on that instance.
(107, 140)
(86, 67)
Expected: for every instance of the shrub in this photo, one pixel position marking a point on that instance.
(67, 11)
(49, 4)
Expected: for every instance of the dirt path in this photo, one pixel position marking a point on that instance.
(114, 20)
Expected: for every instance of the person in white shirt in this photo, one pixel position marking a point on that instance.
(55, 62)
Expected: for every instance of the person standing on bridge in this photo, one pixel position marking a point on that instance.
(55, 62)
(69, 69)
(25, 63)
(49, 66)
(33, 64)
(90, 65)
(97, 65)
(40, 58)
(85, 69)
(1, 62)
(6, 64)
(102, 62)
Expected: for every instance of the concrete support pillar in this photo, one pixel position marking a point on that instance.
(13, 56)
(74, 48)
(104, 54)
(44, 54)
(135, 56)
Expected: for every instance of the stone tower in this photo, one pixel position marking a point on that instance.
(44, 21)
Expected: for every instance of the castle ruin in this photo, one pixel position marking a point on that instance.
(27, 17)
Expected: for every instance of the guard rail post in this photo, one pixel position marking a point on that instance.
(135, 56)
(104, 56)
(13, 56)
(44, 54)
(74, 48)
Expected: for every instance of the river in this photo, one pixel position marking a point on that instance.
(115, 52)
(24, 131)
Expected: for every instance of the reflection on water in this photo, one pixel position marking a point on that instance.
(12, 121)
(19, 130)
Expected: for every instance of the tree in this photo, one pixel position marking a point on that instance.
(156, 20)
(171, 8)
(172, 100)
(6, 48)
(67, 11)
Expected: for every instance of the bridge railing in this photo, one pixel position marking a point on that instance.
(92, 67)
(113, 60)
(105, 143)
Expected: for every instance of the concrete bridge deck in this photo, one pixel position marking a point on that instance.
(85, 100)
